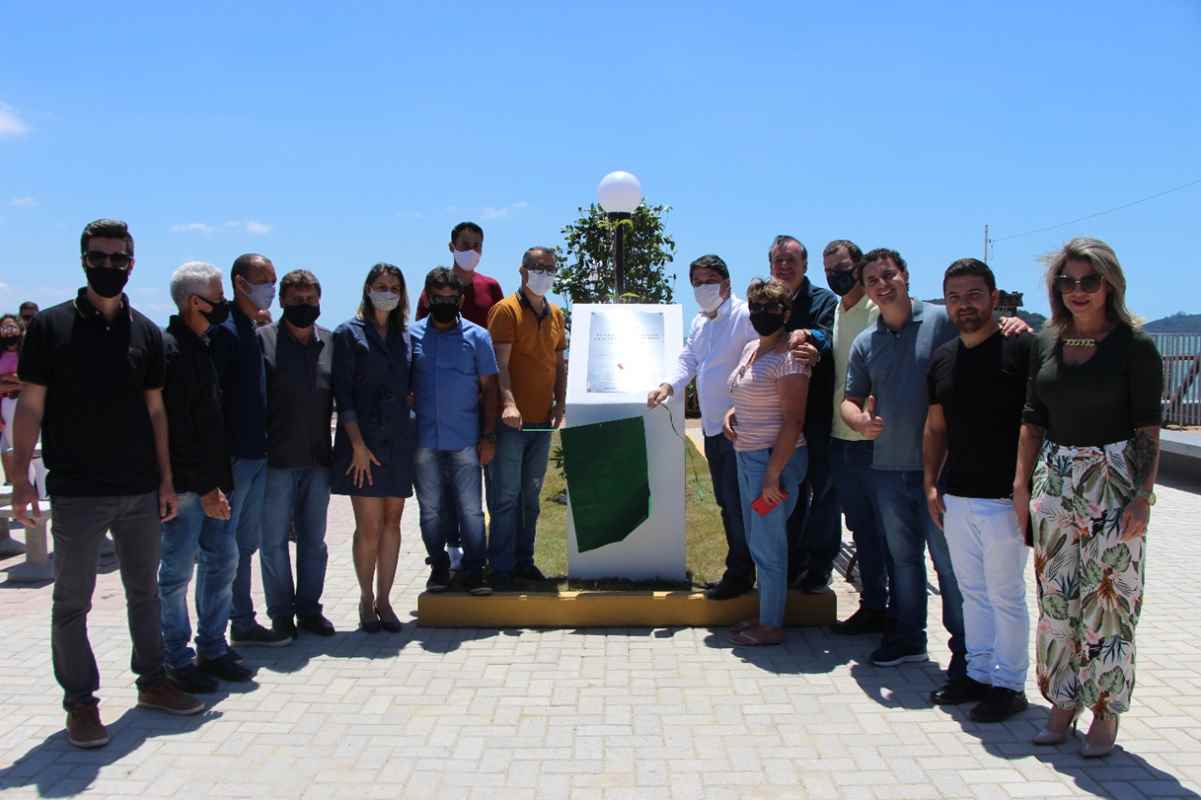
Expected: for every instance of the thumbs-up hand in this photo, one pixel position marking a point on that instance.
(870, 425)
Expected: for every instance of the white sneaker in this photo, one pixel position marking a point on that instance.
(456, 557)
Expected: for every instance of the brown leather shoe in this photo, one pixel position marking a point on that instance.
(84, 728)
(168, 698)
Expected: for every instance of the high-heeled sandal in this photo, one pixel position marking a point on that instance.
(1050, 737)
(1091, 750)
(368, 620)
(389, 621)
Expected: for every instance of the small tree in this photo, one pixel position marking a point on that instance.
(589, 274)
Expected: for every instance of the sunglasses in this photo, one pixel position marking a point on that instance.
(1090, 283)
(96, 259)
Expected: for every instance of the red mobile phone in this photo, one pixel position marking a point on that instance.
(763, 507)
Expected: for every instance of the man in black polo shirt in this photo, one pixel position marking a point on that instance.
(977, 387)
(814, 529)
(93, 374)
(300, 402)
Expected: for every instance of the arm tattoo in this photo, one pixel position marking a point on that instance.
(1144, 456)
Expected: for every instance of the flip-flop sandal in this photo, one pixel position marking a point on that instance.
(747, 639)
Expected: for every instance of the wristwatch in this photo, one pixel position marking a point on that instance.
(1146, 495)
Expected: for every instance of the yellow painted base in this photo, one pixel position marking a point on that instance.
(605, 609)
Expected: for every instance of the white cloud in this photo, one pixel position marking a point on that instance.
(11, 123)
(192, 227)
(23, 202)
(490, 212)
(249, 226)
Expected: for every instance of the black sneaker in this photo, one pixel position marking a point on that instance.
(727, 588)
(891, 654)
(815, 582)
(284, 627)
(865, 620)
(258, 636)
(439, 580)
(225, 668)
(529, 573)
(503, 582)
(316, 624)
(235, 655)
(473, 583)
(960, 690)
(999, 705)
(191, 680)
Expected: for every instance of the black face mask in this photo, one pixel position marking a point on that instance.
(302, 315)
(106, 282)
(444, 312)
(217, 314)
(8, 341)
(841, 282)
(766, 323)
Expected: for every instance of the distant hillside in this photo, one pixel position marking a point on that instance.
(1179, 322)
(1032, 318)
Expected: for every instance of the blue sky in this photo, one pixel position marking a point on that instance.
(332, 136)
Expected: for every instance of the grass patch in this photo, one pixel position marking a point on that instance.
(705, 538)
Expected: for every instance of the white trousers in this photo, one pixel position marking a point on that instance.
(988, 553)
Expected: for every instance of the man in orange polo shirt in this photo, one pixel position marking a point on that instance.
(529, 334)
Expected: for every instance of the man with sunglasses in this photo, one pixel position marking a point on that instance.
(529, 334)
(93, 377)
(814, 530)
(200, 466)
(27, 312)
(457, 399)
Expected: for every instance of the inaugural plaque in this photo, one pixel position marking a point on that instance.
(625, 351)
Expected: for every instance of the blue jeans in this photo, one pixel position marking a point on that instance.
(907, 530)
(299, 496)
(851, 473)
(246, 521)
(767, 534)
(815, 532)
(514, 485)
(194, 538)
(723, 470)
(460, 470)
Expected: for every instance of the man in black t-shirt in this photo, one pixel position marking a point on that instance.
(93, 386)
(977, 387)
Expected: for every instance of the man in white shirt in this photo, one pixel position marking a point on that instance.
(715, 343)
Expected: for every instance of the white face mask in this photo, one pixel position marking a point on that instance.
(467, 259)
(539, 281)
(384, 301)
(708, 296)
(261, 294)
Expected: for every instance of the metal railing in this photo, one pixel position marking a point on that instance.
(1181, 353)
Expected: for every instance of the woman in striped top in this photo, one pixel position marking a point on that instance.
(769, 387)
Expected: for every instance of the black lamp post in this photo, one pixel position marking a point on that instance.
(619, 194)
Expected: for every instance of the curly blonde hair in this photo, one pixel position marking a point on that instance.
(762, 290)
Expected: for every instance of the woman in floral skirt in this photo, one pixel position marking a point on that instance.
(1087, 459)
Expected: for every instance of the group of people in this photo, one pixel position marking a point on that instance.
(198, 445)
(926, 426)
(940, 427)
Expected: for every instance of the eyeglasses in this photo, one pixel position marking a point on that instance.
(756, 308)
(97, 259)
(1090, 283)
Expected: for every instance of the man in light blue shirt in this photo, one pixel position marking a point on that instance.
(715, 343)
(457, 404)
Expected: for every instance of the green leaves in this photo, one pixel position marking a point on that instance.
(1118, 558)
(1055, 606)
(1112, 682)
(588, 271)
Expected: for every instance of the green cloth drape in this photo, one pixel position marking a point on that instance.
(607, 479)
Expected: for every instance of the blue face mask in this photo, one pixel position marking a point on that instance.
(261, 294)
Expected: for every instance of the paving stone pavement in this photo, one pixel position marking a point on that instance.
(582, 714)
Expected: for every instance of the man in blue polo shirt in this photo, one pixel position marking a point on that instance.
(886, 401)
(457, 404)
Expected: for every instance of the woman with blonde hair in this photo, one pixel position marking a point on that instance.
(1087, 460)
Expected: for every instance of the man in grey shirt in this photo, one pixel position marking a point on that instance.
(886, 401)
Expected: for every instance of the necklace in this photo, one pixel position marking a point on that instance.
(1082, 342)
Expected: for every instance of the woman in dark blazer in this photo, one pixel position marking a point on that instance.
(375, 440)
